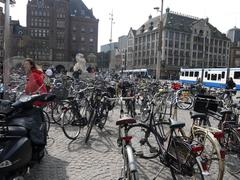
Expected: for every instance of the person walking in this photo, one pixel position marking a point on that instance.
(34, 80)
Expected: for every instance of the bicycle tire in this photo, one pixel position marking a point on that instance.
(197, 174)
(91, 123)
(71, 129)
(186, 104)
(216, 169)
(47, 121)
(56, 113)
(232, 156)
(145, 142)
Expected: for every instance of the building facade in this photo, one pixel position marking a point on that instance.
(1, 34)
(58, 30)
(186, 42)
(109, 47)
(234, 34)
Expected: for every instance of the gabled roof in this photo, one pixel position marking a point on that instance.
(150, 25)
(177, 22)
(78, 8)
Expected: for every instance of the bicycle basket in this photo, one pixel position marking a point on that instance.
(61, 93)
(203, 103)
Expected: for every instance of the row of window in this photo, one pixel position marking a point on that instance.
(40, 54)
(210, 76)
(74, 38)
(39, 22)
(40, 12)
(83, 29)
(190, 73)
(42, 33)
(177, 35)
(59, 56)
(145, 62)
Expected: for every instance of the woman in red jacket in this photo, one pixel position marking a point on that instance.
(35, 79)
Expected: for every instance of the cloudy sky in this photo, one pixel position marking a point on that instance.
(133, 13)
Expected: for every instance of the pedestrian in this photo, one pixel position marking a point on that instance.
(34, 79)
(1, 89)
(230, 84)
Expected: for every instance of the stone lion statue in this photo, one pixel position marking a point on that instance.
(81, 63)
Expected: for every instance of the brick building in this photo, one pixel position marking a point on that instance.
(58, 29)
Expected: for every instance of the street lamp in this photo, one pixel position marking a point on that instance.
(159, 54)
(6, 63)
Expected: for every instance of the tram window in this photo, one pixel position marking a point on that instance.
(208, 77)
(191, 73)
(186, 73)
(206, 74)
(182, 73)
(219, 76)
(196, 74)
(214, 77)
(223, 74)
(236, 75)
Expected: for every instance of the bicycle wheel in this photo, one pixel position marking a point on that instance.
(185, 102)
(103, 117)
(145, 141)
(47, 120)
(91, 123)
(232, 147)
(71, 128)
(56, 112)
(212, 153)
(196, 173)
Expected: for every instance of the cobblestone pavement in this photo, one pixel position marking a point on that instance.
(99, 160)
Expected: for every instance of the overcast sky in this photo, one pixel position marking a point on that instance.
(223, 14)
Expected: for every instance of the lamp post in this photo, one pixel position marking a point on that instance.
(159, 52)
(6, 63)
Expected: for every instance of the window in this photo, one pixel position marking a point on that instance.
(74, 37)
(219, 76)
(223, 74)
(186, 73)
(206, 74)
(182, 73)
(236, 75)
(191, 73)
(91, 40)
(214, 77)
(196, 74)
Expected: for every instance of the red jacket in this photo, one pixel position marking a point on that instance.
(35, 84)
